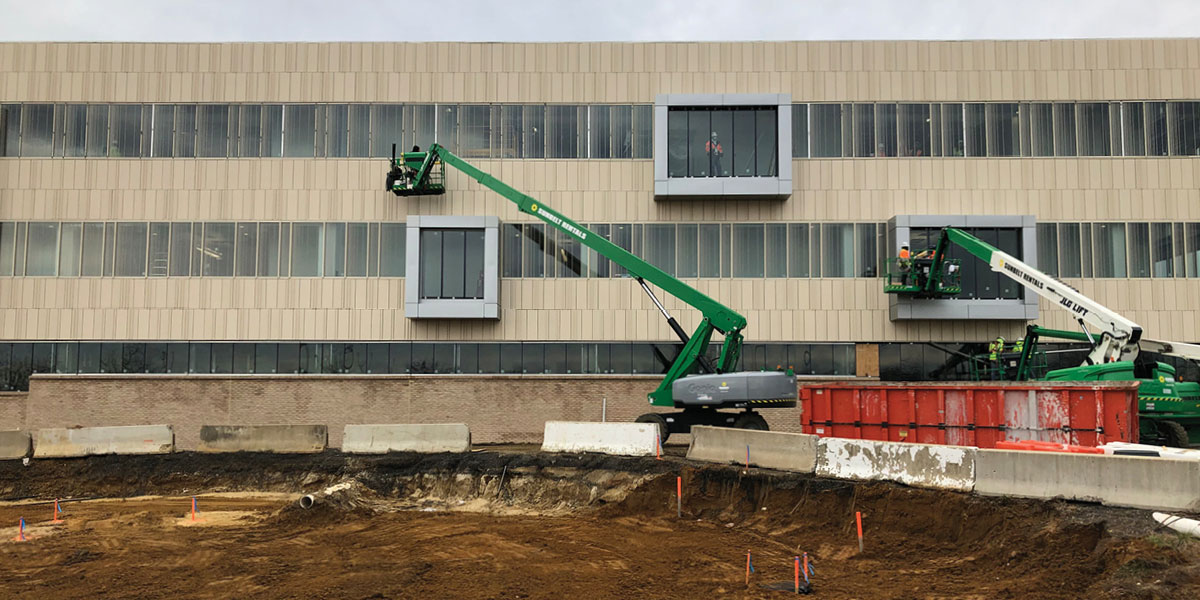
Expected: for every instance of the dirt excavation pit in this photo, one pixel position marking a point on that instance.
(526, 525)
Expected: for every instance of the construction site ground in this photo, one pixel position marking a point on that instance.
(516, 523)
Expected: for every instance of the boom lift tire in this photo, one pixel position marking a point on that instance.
(1173, 434)
(751, 420)
(658, 420)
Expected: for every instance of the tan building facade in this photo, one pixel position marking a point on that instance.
(1067, 132)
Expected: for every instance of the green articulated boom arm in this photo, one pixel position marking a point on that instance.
(411, 173)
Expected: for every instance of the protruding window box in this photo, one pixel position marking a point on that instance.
(452, 268)
(716, 145)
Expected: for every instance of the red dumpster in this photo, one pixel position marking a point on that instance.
(972, 413)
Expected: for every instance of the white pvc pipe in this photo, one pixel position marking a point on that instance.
(1180, 524)
(309, 500)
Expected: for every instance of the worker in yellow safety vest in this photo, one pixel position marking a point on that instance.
(1019, 346)
(995, 349)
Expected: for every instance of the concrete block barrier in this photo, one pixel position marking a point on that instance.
(380, 439)
(1133, 481)
(89, 441)
(625, 439)
(263, 438)
(773, 450)
(15, 444)
(918, 465)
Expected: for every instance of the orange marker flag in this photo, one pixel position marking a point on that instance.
(57, 512)
(858, 518)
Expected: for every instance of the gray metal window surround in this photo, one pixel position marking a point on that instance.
(779, 186)
(487, 307)
(905, 309)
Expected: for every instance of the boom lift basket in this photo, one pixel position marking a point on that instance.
(912, 277)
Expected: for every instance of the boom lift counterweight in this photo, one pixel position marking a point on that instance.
(693, 382)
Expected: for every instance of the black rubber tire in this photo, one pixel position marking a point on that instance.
(657, 419)
(750, 420)
(1173, 434)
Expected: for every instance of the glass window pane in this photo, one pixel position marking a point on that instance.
(621, 128)
(976, 129)
(710, 250)
(677, 143)
(453, 262)
(1139, 249)
(337, 130)
(475, 138)
(212, 130)
(447, 126)
(660, 246)
(360, 130)
(159, 249)
(473, 264)
(726, 249)
(373, 250)
(952, 130)
(914, 130)
(392, 250)
(799, 131)
(8, 238)
(335, 250)
(431, 263)
(70, 245)
(1003, 129)
(1041, 128)
(798, 250)
(1109, 239)
(826, 130)
(1192, 249)
(567, 255)
(511, 131)
(386, 129)
(766, 147)
(838, 250)
(510, 250)
(268, 250)
(743, 144)
(97, 130)
(748, 250)
(867, 240)
(356, 250)
(218, 249)
(162, 143)
(250, 133)
(420, 125)
(125, 131)
(42, 256)
(272, 130)
(864, 130)
(706, 143)
(247, 249)
(564, 125)
(299, 130)
(1184, 118)
(533, 250)
(131, 250)
(643, 128)
(10, 131)
(185, 130)
(1047, 245)
(75, 134)
(181, 245)
(685, 251)
(1156, 128)
(534, 143)
(885, 129)
(599, 132)
(37, 130)
(93, 249)
(1133, 127)
(775, 251)
(1064, 129)
(1162, 249)
(1094, 135)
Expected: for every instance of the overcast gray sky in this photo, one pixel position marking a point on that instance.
(572, 20)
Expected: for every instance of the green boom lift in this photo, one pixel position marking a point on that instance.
(694, 383)
(1169, 410)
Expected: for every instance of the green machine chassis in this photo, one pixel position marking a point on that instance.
(423, 173)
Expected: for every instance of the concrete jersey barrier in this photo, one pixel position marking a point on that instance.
(380, 439)
(1133, 481)
(625, 439)
(289, 439)
(773, 450)
(918, 465)
(89, 441)
(15, 444)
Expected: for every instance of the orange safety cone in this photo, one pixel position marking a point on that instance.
(57, 511)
